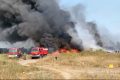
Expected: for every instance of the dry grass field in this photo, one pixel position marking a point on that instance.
(83, 65)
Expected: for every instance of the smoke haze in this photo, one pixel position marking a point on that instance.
(92, 35)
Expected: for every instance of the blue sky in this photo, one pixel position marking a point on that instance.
(105, 12)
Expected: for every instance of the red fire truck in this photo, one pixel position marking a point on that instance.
(14, 52)
(39, 52)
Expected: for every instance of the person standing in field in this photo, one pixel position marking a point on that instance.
(55, 54)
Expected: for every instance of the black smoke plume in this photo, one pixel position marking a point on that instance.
(29, 23)
(41, 21)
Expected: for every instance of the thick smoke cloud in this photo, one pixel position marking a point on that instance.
(36, 20)
(29, 23)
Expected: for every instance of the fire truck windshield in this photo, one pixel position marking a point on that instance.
(12, 50)
(34, 50)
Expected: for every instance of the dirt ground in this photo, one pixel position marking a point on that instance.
(65, 75)
(76, 73)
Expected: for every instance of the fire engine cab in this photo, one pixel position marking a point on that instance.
(39, 52)
(14, 52)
